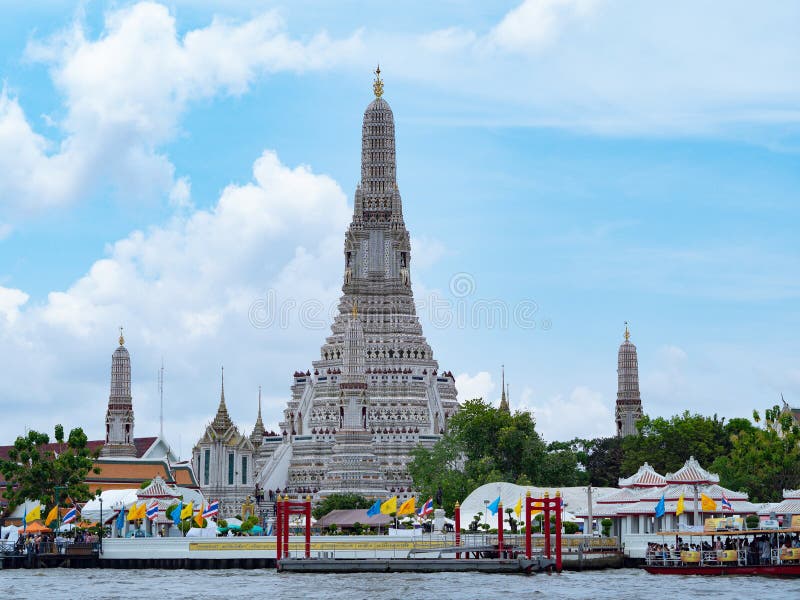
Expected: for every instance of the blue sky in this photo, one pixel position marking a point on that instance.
(169, 167)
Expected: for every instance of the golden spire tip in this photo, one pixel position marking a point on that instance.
(377, 85)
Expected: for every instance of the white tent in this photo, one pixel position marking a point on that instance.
(575, 498)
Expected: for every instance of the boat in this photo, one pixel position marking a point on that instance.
(739, 558)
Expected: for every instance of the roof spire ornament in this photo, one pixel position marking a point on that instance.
(377, 85)
(627, 333)
(121, 338)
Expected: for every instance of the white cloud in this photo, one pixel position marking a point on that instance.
(536, 23)
(124, 93)
(479, 385)
(583, 413)
(185, 291)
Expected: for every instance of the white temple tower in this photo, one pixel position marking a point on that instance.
(119, 416)
(629, 400)
(375, 374)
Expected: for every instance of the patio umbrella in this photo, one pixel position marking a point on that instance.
(35, 527)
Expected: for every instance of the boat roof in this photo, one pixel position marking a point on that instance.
(730, 532)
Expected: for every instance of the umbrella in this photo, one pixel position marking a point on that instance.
(257, 529)
(35, 527)
(86, 525)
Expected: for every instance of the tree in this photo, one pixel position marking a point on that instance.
(35, 469)
(602, 459)
(763, 461)
(667, 444)
(340, 502)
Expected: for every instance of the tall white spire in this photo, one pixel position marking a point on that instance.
(629, 400)
(119, 416)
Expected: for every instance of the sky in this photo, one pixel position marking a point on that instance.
(186, 170)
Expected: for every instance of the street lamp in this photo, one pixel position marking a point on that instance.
(485, 511)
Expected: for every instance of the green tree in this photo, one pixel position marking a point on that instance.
(763, 461)
(35, 468)
(340, 502)
(602, 459)
(667, 443)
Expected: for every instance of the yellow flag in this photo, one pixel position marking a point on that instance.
(133, 512)
(198, 518)
(390, 506)
(679, 507)
(536, 508)
(707, 504)
(518, 507)
(187, 511)
(36, 513)
(51, 516)
(409, 507)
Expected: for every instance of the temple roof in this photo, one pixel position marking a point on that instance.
(222, 421)
(158, 488)
(646, 476)
(257, 437)
(691, 472)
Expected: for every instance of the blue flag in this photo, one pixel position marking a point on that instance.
(176, 514)
(495, 506)
(25, 518)
(375, 509)
(121, 519)
(660, 508)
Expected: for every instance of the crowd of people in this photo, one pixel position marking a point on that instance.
(755, 551)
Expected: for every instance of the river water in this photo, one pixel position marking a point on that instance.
(54, 584)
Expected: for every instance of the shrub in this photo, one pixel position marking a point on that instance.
(606, 525)
(570, 527)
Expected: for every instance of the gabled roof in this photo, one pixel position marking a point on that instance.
(158, 488)
(646, 476)
(142, 445)
(691, 472)
(622, 496)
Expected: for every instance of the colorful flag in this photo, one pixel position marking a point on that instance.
(409, 507)
(198, 518)
(660, 507)
(152, 511)
(518, 508)
(495, 506)
(375, 509)
(212, 510)
(426, 508)
(121, 518)
(36, 513)
(133, 512)
(187, 511)
(25, 519)
(390, 506)
(176, 513)
(707, 504)
(72, 515)
(679, 507)
(51, 516)
(726, 505)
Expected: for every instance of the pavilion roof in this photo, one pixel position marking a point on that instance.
(158, 488)
(789, 505)
(622, 496)
(691, 472)
(646, 476)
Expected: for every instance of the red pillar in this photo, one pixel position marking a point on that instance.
(278, 529)
(558, 531)
(500, 529)
(308, 526)
(286, 513)
(528, 525)
(546, 524)
(457, 518)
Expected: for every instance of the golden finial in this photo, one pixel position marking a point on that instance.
(528, 494)
(308, 497)
(458, 504)
(121, 339)
(355, 309)
(377, 85)
(558, 493)
(627, 333)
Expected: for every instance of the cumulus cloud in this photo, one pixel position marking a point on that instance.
(479, 385)
(582, 413)
(124, 93)
(536, 23)
(186, 291)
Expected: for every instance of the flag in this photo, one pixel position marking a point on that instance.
(36, 513)
(198, 518)
(679, 507)
(726, 505)
(187, 511)
(375, 509)
(152, 511)
(409, 507)
(176, 513)
(211, 510)
(51, 516)
(495, 506)
(121, 518)
(707, 504)
(390, 506)
(660, 508)
(426, 508)
(133, 512)
(518, 508)
(72, 515)
(25, 519)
